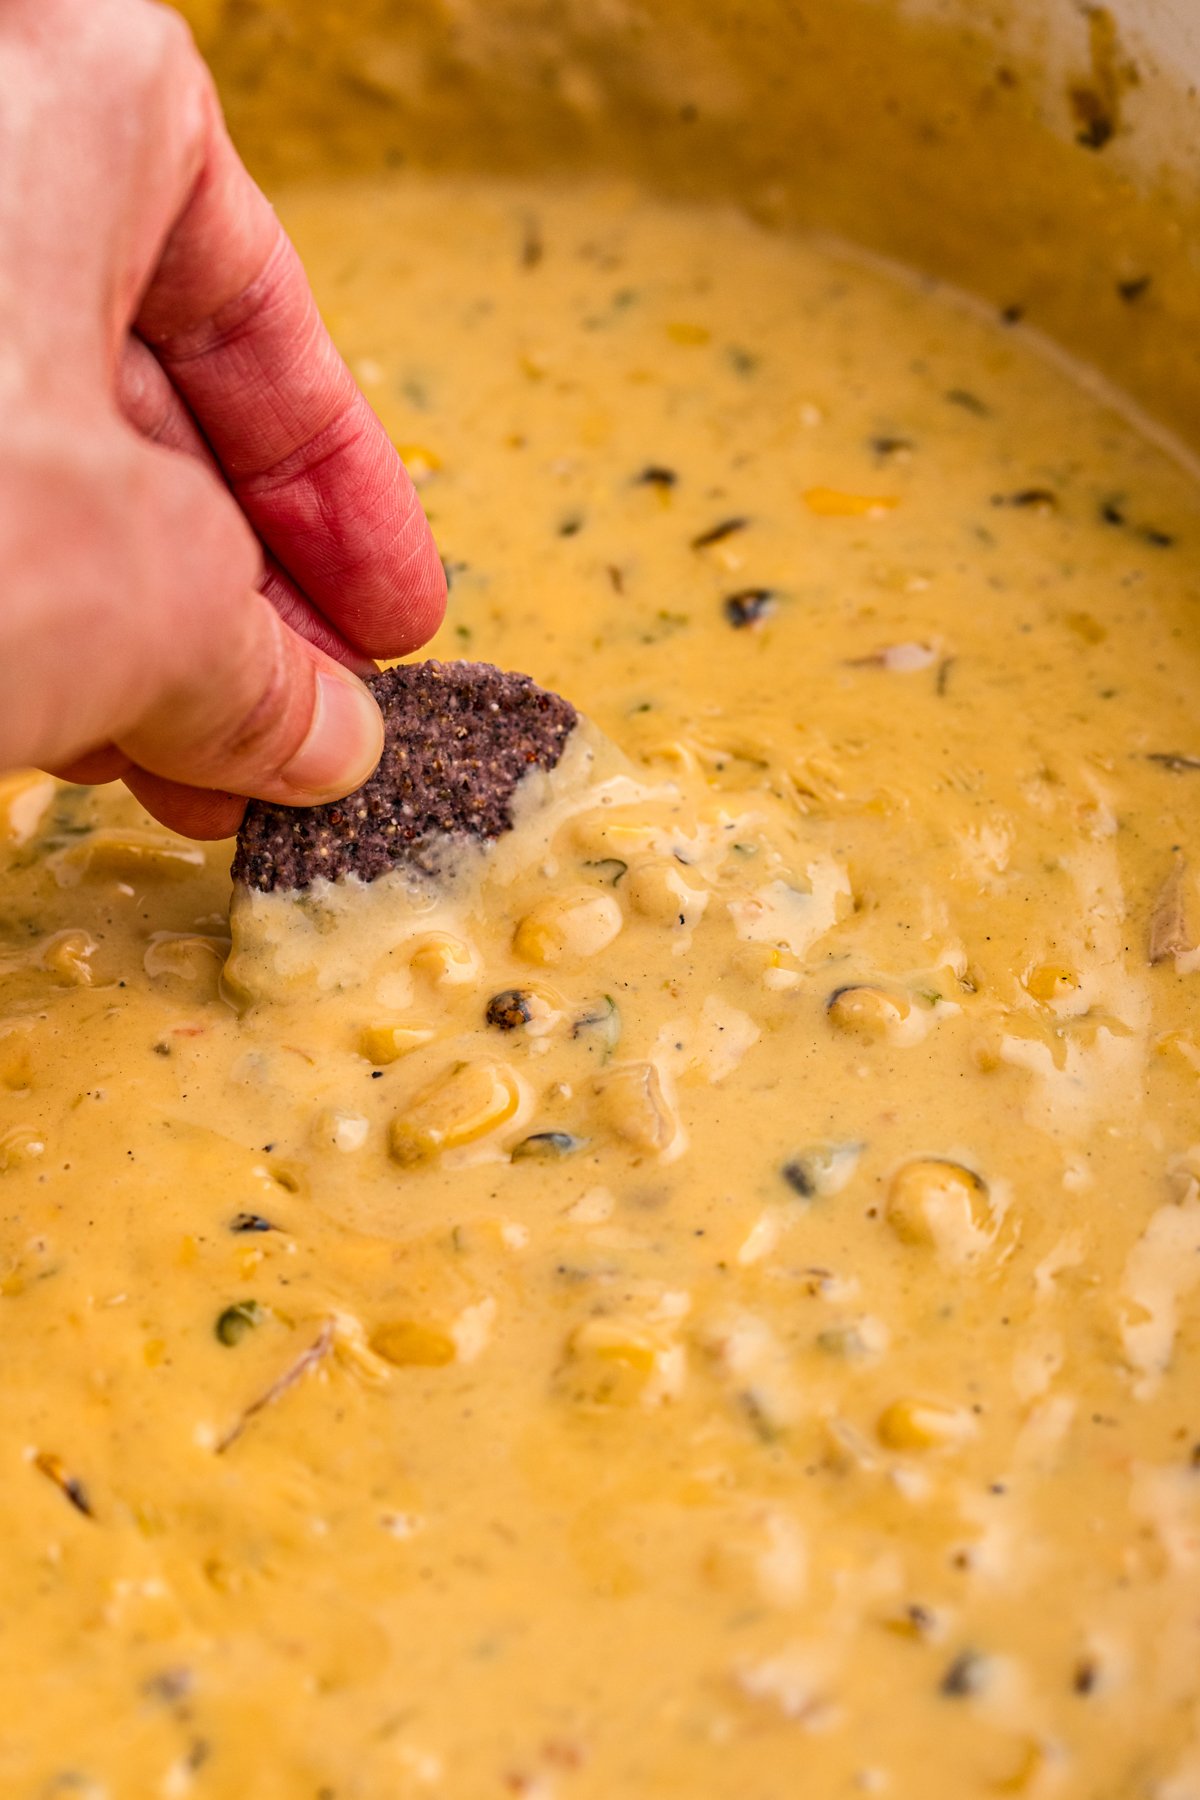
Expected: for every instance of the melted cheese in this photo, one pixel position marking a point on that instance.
(770, 1364)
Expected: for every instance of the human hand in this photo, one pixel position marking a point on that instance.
(203, 527)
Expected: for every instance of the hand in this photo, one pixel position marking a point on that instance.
(203, 527)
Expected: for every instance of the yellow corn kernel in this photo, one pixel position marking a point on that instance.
(16, 1064)
(420, 461)
(601, 835)
(24, 798)
(912, 1424)
(683, 331)
(334, 1128)
(617, 1362)
(831, 503)
(66, 955)
(659, 892)
(444, 959)
(871, 1012)
(565, 927)
(1049, 982)
(1180, 1048)
(408, 1344)
(186, 956)
(940, 1205)
(672, 753)
(776, 968)
(1029, 1764)
(633, 1106)
(464, 1104)
(912, 1621)
(128, 856)
(383, 1044)
(20, 1144)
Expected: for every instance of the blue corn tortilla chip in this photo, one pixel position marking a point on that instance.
(458, 739)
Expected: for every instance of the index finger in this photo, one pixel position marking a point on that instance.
(232, 319)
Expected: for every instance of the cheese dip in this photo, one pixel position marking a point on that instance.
(707, 1301)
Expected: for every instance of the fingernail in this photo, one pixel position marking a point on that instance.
(344, 742)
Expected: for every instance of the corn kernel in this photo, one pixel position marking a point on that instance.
(634, 1107)
(420, 461)
(24, 798)
(128, 856)
(941, 1205)
(568, 926)
(621, 1361)
(912, 1424)
(870, 1012)
(1049, 982)
(831, 503)
(384, 1044)
(66, 955)
(445, 960)
(20, 1144)
(1029, 1764)
(407, 1344)
(466, 1103)
(186, 956)
(1180, 1048)
(621, 835)
(659, 892)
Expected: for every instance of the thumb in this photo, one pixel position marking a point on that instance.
(257, 710)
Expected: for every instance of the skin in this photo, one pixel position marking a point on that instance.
(205, 534)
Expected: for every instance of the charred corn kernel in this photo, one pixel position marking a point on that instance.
(683, 331)
(24, 798)
(127, 856)
(565, 927)
(468, 1101)
(870, 1012)
(659, 892)
(912, 1424)
(384, 1044)
(831, 503)
(1049, 982)
(67, 954)
(409, 1344)
(445, 960)
(940, 1205)
(420, 461)
(20, 1144)
(635, 1109)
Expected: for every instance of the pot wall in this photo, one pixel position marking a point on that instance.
(1043, 155)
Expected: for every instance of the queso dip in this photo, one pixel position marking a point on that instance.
(708, 1305)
